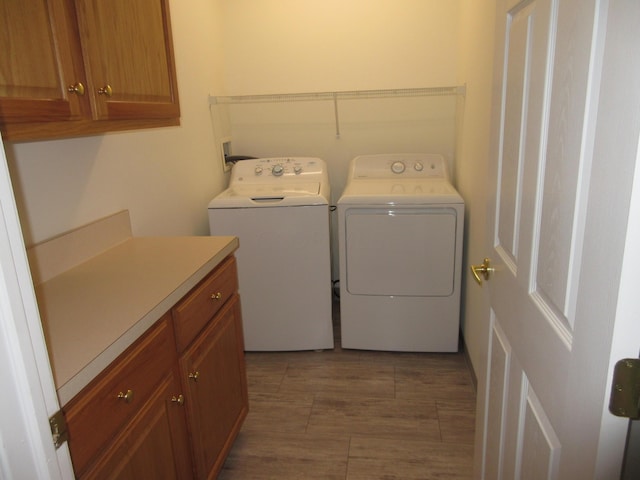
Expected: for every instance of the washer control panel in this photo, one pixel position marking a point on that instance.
(269, 169)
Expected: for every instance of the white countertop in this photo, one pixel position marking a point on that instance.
(93, 311)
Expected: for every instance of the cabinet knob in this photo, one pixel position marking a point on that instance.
(179, 399)
(127, 397)
(216, 296)
(194, 376)
(106, 90)
(78, 89)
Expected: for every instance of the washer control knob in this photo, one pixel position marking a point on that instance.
(397, 167)
(277, 170)
(418, 167)
(297, 169)
(258, 170)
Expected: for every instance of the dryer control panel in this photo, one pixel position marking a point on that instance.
(410, 166)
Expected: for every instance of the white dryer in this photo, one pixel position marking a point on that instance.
(400, 247)
(279, 210)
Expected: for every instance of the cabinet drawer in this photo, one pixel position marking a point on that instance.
(104, 406)
(192, 313)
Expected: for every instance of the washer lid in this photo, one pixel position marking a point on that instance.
(399, 192)
(270, 195)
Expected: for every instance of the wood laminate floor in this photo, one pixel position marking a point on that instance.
(356, 415)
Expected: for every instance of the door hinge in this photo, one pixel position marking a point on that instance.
(58, 426)
(625, 389)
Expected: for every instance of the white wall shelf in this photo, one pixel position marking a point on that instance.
(336, 96)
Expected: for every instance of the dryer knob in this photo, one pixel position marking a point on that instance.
(418, 167)
(397, 167)
(258, 170)
(277, 170)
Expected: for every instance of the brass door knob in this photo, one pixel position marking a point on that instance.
(216, 296)
(78, 89)
(194, 376)
(106, 90)
(179, 399)
(485, 270)
(127, 397)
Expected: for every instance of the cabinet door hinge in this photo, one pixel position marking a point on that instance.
(625, 389)
(58, 426)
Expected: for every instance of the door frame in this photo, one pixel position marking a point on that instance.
(29, 397)
(620, 73)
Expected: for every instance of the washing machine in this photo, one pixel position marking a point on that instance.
(400, 224)
(279, 210)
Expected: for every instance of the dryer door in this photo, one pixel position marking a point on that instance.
(400, 251)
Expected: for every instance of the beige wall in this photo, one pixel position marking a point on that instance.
(473, 149)
(290, 46)
(165, 177)
(476, 61)
(476, 58)
(325, 45)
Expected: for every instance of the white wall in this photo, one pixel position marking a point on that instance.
(165, 177)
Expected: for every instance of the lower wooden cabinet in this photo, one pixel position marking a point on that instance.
(167, 408)
(213, 371)
(153, 445)
(124, 391)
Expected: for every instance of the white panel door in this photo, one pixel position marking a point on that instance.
(565, 137)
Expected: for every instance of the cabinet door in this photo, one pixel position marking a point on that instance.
(40, 62)
(128, 52)
(213, 371)
(153, 445)
(106, 406)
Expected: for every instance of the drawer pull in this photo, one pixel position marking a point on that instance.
(179, 399)
(194, 376)
(127, 397)
(216, 296)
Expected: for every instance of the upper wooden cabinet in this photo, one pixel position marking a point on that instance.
(128, 55)
(39, 58)
(89, 66)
